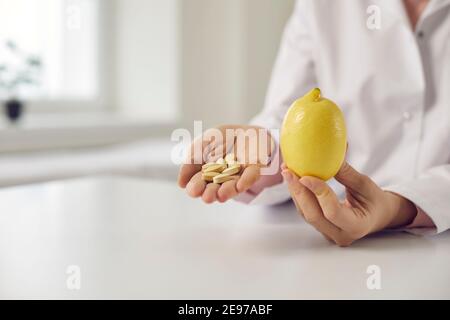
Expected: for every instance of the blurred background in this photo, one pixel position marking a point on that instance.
(97, 86)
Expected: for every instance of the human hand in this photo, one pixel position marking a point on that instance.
(252, 146)
(366, 209)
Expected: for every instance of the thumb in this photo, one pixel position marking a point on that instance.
(354, 180)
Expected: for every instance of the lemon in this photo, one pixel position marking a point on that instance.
(313, 137)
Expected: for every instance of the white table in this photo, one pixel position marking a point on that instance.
(147, 239)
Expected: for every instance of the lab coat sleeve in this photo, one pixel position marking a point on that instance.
(293, 75)
(431, 193)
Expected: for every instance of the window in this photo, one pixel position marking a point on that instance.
(63, 35)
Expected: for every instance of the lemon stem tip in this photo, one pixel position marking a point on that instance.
(316, 94)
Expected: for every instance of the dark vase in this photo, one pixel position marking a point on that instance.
(13, 110)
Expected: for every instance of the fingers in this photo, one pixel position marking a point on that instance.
(294, 188)
(227, 191)
(329, 203)
(249, 176)
(325, 195)
(187, 171)
(326, 198)
(354, 180)
(311, 209)
(208, 147)
(196, 186)
(191, 178)
(194, 161)
(210, 193)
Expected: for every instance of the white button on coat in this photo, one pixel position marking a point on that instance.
(375, 76)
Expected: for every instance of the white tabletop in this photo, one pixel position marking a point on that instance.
(147, 239)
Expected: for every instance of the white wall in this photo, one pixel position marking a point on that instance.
(229, 47)
(212, 60)
(147, 53)
(204, 60)
(265, 22)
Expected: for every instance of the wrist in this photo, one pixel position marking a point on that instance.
(402, 211)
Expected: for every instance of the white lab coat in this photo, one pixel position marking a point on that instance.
(392, 83)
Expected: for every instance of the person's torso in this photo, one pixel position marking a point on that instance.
(392, 83)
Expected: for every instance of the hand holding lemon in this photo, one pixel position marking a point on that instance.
(313, 145)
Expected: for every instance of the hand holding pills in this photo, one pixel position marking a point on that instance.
(228, 162)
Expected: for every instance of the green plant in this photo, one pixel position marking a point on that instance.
(24, 72)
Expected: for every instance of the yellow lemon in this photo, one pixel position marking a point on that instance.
(313, 137)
